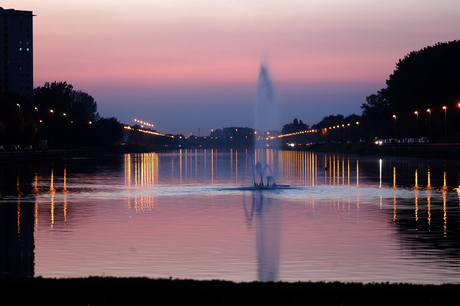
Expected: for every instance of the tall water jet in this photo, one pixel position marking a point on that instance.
(266, 113)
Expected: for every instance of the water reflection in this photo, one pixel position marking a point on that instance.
(266, 217)
(16, 232)
(412, 205)
(141, 170)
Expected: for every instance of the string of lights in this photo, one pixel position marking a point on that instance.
(143, 123)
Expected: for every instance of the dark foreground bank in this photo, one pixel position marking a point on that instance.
(144, 291)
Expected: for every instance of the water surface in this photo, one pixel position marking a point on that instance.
(184, 214)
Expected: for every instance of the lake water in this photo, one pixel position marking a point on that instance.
(185, 214)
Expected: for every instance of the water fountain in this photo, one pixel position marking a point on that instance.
(266, 112)
(259, 172)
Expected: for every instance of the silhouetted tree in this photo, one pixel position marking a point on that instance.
(70, 117)
(375, 116)
(107, 131)
(425, 79)
(293, 127)
(17, 125)
(330, 121)
(54, 96)
(83, 107)
(328, 130)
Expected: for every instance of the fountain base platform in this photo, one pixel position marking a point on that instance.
(269, 187)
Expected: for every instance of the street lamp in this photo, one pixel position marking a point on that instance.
(445, 122)
(416, 114)
(394, 116)
(65, 128)
(429, 115)
(52, 113)
(19, 141)
(349, 132)
(359, 132)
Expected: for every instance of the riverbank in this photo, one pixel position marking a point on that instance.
(444, 151)
(94, 151)
(145, 291)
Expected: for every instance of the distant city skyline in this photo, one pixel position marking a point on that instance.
(188, 65)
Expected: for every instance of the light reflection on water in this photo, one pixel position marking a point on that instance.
(184, 214)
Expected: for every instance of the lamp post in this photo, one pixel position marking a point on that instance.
(19, 116)
(445, 123)
(52, 127)
(416, 114)
(65, 128)
(359, 130)
(429, 121)
(394, 116)
(349, 132)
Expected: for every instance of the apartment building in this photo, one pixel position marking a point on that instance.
(16, 52)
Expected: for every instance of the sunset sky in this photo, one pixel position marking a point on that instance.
(189, 64)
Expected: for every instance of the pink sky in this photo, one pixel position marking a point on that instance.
(184, 64)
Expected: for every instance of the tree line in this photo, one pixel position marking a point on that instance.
(59, 114)
(421, 98)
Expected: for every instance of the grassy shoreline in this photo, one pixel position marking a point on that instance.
(145, 291)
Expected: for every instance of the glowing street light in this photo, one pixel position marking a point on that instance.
(445, 122)
(52, 113)
(416, 114)
(19, 105)
(65, 128)
(429, 115)
(394, 116)
(359, 131)
(142, 123)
